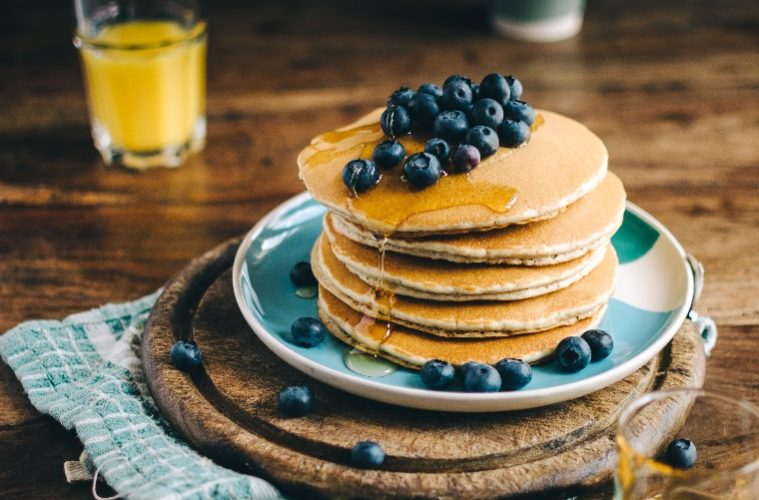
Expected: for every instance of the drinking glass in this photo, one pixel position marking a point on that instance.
(143, 63)
(726, 435)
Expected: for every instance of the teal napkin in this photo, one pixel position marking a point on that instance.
(85, 372)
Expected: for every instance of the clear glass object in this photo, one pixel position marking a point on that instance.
(143, 63)
(725, 432)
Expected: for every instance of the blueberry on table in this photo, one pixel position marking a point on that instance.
(367, 455)
(512, 134)
(438, 148)
(457, 95)
(424, 108)
(302, 275)
(437, 374)
(681, 453)
(515, 86)
(401, 97)
(496, 87)
(395, 121)
(572, 354)
(295, 400)
(308, 332)
(486, 112)
(600, 342)
(466, 158)
(422, 170)
(519, 111)
(360, 175)
(482, 378)
(388, 154)
(431, 89)
(515, 373)
(483, 138)
(451, 126)
(185, 355)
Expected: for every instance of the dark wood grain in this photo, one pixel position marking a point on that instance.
(671, 87)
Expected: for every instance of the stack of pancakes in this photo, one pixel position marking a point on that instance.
(440, 274)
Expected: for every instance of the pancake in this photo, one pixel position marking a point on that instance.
(447, 281)
(473, 319)
(412, 349)
(562, 162)
(584, 225)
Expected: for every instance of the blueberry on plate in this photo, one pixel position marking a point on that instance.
(681, 453)
(496, 87)
(515, 87)
(367, 455)
(185, 355)
(464, 368)
(457, 95)
(512, 134)
(308, 332)
(515, 373)
(424, 108)
(422, 170)
(451, 126)
(572, 354)
(401, 97)
(360, 175)
(483, 138)
(431, 89)
(439, 148)
(302, 275)
(437, 374)
(395, 121)
(295, 400)
(466, 158)
(482, 378)
(486, 112)
(600, 342)
(388, 154)
(519, 110)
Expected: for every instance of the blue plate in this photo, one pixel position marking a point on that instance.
(653, 295)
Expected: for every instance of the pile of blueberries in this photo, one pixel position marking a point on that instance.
(467, 122)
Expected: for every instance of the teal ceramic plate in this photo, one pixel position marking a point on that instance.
(653, 295)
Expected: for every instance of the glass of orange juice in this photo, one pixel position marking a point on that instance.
(143, 63)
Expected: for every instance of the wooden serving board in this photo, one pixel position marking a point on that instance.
(228, 411)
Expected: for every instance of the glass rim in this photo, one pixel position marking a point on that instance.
(199, 30)
(632, 408)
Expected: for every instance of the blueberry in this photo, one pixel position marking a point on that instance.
(681, 453)
(401, 97)
(424, 108)
(484, 139)
(515, 86)
(438, 148)
(466, 158)
(519, 110)
(308, 332)
(367, 455)
(302, 275)
(486, 112)
(600, 343)
(437, 374)
(451, 126)
(422, 170)
(482, 378)
(388, 154)
(463, 369)
(457, 78)
(295, 400)
(573, 354)
(186, 356)
(515, 373)
(496, 87)
(431, 89)
(475, 91)
(360, 175)
(457, 95)
(395, 121)
(513, 133)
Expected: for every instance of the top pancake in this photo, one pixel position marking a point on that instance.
(562, 162)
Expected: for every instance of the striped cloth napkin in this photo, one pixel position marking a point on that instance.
(85, 372)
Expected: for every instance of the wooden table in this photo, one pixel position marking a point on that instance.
(670, 87)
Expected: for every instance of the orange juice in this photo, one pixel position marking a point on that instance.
(146, 86)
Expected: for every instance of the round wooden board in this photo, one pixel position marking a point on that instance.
(228, 411)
